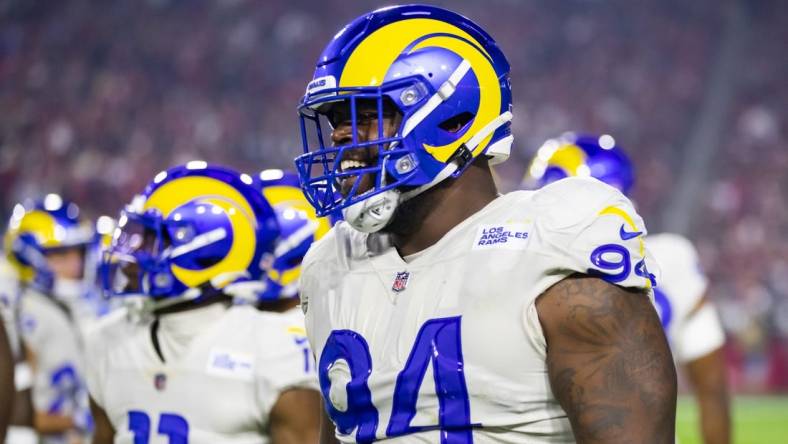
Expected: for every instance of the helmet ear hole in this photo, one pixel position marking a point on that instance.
(456, 123)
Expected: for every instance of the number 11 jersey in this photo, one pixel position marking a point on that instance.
(211, 378)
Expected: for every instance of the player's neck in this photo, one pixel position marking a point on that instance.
(279, 305)
(217, 298)
(444, 207)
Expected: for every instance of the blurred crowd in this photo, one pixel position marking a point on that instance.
(742, 229)
(97, 96)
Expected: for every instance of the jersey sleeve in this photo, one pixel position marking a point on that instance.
(695, 328)
(109, 329)
(31, 325)
(699, 335)
(287, 361)
(594, 229)
(682, 278)
(320, 271)
(50, 337)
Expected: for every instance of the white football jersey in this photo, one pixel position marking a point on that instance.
(58, 381)
(85, 305)
(446, 346)
(9, 304)
(692, 327)
(215, 378)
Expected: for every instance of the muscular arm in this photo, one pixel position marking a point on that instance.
(103, 432)
(7, 387)
(22, 414)
(608, 362)
(295, 417)
(50, 424)
(707, 376)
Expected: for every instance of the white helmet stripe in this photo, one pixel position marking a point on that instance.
(198, 242)
(444, 92)
(295, 239)
(488, 129)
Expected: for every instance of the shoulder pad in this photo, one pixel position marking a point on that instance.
(674, 246)
(595, 230)
(569, 202)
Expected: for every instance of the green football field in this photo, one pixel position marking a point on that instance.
(756, 420)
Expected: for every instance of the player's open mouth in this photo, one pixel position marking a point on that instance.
(356, 160)
(352, 164)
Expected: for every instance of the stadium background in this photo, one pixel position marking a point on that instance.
(97, 96)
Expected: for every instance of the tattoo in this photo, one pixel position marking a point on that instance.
(608, 361)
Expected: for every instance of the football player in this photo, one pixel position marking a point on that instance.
(7, 388)
(20, 426)
(688, 317)
(92, 304)
(45, 242)
(200, 370)
(440, 311)
(299, 228)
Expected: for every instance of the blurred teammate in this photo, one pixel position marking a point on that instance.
(46, 243)
(20, 429)
(7, 388)
(441, 311)
(688, 317)
(89, 304)
(299, 228)
(200, 370)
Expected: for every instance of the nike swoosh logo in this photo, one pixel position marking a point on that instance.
(627, 235)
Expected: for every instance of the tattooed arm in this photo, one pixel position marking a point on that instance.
(608, 362)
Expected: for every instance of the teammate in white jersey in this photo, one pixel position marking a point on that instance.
(688, 317)
(45, 242)
(200, 370)
(441, 311)
(20, 429)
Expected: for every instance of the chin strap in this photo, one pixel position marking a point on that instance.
(373, 213)
(153, 305)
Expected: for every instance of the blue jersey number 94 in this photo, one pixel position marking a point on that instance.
(438, 344)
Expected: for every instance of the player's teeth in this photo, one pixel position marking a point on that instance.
(350, 164)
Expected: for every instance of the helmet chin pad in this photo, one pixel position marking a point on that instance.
(372, 214)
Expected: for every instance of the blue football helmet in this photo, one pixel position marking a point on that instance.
(447, 80)
(591, 156)
(196, 227)
(299, 228)
(94, 253)
(41, 227)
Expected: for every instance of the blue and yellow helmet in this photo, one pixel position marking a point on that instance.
(196, 226)
(591, 156)
(446, 77)
(299, 228)
(38, 228)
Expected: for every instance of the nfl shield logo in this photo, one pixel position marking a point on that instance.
(400, 281)
(160, 381)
